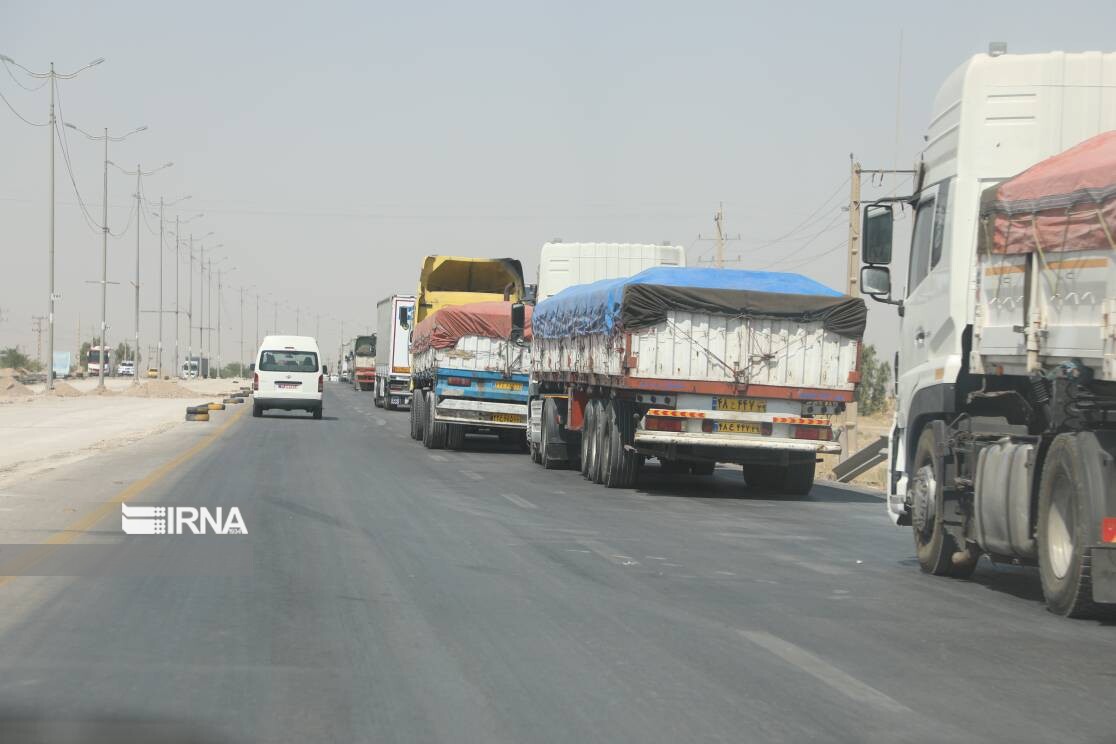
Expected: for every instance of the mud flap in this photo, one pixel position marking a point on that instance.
(1104, 574)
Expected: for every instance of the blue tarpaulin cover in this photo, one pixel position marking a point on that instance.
(644, 300)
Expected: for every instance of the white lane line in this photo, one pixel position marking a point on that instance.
(439, 458)
(519, 501)
(471, 474)
(823, 671)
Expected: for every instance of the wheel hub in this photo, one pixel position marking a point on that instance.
(923, 502)
(1060, 528)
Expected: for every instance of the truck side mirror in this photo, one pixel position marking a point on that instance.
(875, 281)
(878, 223)
(518, 320)
(403, 317)
(252, 367)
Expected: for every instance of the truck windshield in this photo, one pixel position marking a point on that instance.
(288, 361)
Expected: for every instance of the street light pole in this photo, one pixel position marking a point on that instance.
(139, 216)
(177, 285)
(190, 309)
(104, 272)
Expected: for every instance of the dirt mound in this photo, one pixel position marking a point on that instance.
(65, 389)
(11, 388)
(162, 389)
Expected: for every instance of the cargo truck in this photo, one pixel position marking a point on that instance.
(694, 367)
(563, 265)
(469, 366)
(1004, 442)
(393, 366)
(456, 280)
(362, 362)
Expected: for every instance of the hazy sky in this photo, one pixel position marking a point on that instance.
(333, 145)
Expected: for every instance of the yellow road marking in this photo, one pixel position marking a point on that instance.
(73, 531)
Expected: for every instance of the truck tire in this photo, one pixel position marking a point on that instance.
(588, 441)
(623, 465)
(455, 437)
(600, 446)
(798, 478)
(938, 553)
(433, 433)
(549, 435)
(416, 415)
(1065, 531)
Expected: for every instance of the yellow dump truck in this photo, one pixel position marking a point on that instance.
(456, 280)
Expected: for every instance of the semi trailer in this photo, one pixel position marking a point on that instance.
(363, 362)
(693, 367)
(393, 366)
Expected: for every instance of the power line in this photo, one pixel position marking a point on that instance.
(7, 67)
(23, 118)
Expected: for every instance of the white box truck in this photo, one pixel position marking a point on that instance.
(1004, 442)
(393, 365)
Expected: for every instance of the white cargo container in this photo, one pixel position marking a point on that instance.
(563, 265)
(393, 366)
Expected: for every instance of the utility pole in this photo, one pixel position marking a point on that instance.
(218, 322)
(139, 216)
(240, 363)
(852, 289)
(50, 310)
(719, 238)
(177, 284)
(298, 314)
(190, 308)
(37, 329)
(104, 270)
(275, 320)
(159, 348)
(257, 318)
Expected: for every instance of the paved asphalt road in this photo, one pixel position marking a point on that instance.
(405, 595)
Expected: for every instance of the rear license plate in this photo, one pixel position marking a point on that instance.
(737, 427)
(505, 418)
(502, 385)
(741, 405)
(287, 385)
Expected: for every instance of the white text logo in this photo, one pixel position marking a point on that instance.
(181, 520)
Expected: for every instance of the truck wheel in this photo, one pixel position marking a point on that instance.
(798, 478)
(600, 445)
(587, 438)
(1065, 519)
(416, 415)
(623, 465)
(706, 468)
(549, 435)
(938, 553)
(433, 433)
(455, 437)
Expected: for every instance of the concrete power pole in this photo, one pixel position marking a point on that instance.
(139, 215)
(852, 289)
(718, 221)
(37, 329)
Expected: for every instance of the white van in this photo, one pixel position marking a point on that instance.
(288, 375)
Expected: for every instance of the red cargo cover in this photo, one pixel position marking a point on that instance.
(487, 319)
(1064, 203)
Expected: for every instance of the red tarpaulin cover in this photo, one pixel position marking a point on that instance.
(488, 319)
(1065, 203)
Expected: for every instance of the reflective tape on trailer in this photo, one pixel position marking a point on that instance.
(676, 414)
(797, 420)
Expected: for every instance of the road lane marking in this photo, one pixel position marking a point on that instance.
(71, 532)
(439, 458)
(519, 501)
(471, 474)
(823, 671)
(612, 556)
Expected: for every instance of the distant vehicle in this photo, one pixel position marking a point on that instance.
(345, 367)
(364, 362)
(190, 368)
(126, 369)
(334, 377)
(93, 360)
(63, 361)
(153, 373)
(393, 365)
(288, 376)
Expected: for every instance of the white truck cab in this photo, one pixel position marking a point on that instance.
(288, 375)
(997, 115)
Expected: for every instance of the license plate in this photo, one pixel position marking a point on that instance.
(737, 427)
(287, 385)
(502, 385)
(741, 405)
(505, 418)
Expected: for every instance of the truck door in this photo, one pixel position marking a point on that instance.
(927, 332)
